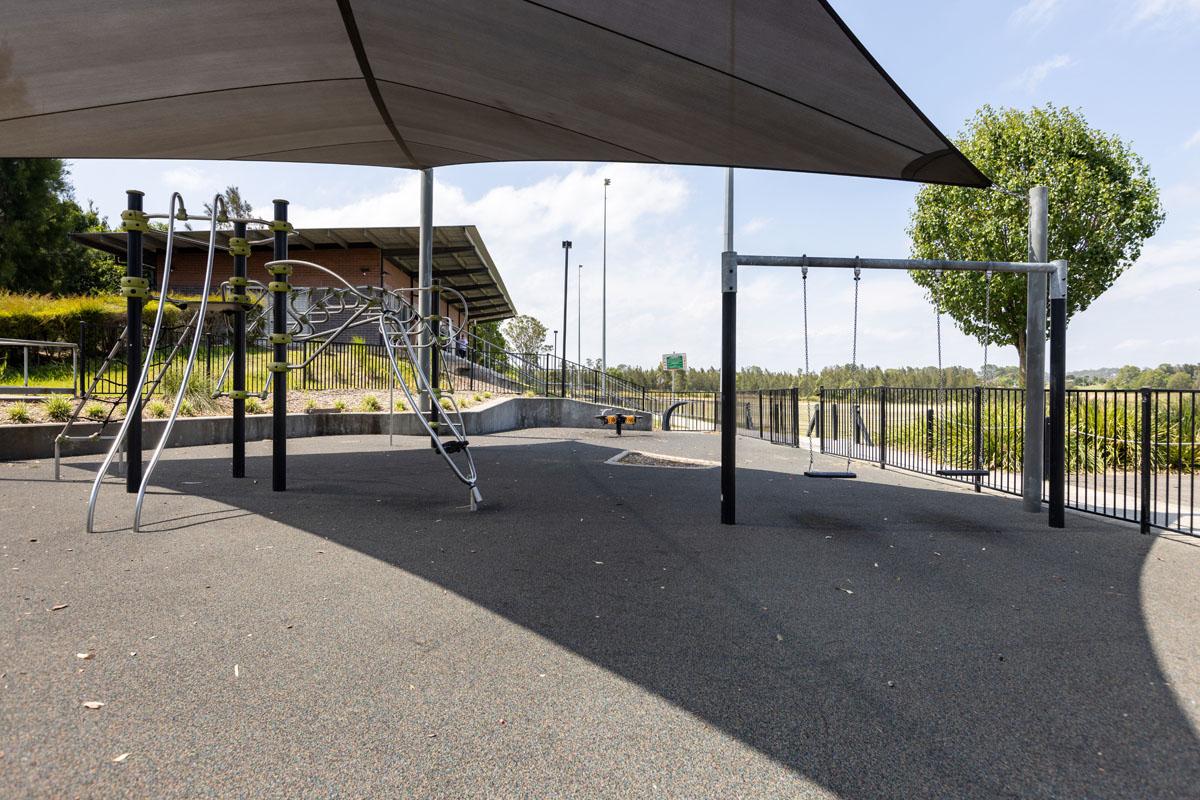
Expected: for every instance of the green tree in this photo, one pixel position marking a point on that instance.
(234, 205)
(1103, 206)
(38, 213)
(525, 334)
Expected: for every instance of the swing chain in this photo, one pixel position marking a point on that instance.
(804, 295)
(937, 311)
(854, 335)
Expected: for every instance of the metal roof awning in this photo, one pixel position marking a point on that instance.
(771, 84)
(460, 259)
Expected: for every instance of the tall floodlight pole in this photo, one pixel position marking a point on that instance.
(579, 316)
(728, 361)
(566, 275)
(555, 350)
(1035, 351)
(604, 297)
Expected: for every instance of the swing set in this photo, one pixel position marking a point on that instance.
(1043, 277)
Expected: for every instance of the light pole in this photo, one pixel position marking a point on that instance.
(555, 350)
(604, 298)
(566, 275)
(579, 316)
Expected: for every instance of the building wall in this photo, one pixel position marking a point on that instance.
(187, 271)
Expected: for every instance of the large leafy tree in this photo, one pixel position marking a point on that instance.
(525, 334)
(234, 205)
(1103, 206)
(38, 213)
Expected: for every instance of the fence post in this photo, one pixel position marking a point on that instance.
(82, 358)
(821, 418)
(834, 422)
(883, 427)
(760, 414)
(795, 416)
(929, 433)
(855, 416)
(1147, 461)
(977, 445)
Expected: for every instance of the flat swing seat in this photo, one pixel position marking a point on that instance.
(963, 473)
(810, 473)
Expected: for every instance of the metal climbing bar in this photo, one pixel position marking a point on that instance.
(825, 262)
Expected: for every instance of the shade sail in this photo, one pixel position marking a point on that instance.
(772, 84)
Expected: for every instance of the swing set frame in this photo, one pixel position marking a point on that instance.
(1043, 277)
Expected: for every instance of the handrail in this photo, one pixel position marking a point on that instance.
(149, 360)
(187, 374)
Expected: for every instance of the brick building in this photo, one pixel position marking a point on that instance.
(384, 257)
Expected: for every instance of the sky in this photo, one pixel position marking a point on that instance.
(1132, 67)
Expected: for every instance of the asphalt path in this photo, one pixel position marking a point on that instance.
(591, 631)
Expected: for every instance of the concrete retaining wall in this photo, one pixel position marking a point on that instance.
(18, 442)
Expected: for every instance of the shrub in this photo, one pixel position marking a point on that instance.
(339, 405)
(401, 405)
(58, 408)
(487, 395)
(530, 394)
(186, 409)
(199, 392)
(478, 398)
(253, 406)
(94, 411)
(310, 405)
(157, 409)
(33, 316)
(445, 403)
(464, 403)
(19, 412)
(371, 403)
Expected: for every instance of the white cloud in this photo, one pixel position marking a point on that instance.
(1165, 267)
(757, 224)
(1146, 10)
(1032, 78)
(1192, 142)
(191, 179)
(1034, 14)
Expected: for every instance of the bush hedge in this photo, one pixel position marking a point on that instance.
(56, 319)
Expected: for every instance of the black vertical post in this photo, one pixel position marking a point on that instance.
(1057, 437)
(728, 388)
(760, 413)
(883, 427)
(239, 359)
(795, 416)
(279, 295)
(1147, 462)
(834, 423)
(977, 444)
(821, 418)
(134, 303)
(566, 275)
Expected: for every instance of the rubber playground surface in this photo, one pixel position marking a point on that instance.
(591, 631)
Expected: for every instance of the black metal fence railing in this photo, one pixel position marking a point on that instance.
(1130, 454)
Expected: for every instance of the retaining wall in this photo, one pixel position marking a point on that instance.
(20, 442)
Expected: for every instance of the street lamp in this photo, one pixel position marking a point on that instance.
(566, 275)
(604, 298)
(555, 350)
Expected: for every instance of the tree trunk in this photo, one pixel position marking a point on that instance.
(1020, 343)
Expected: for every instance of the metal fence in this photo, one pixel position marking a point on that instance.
(1130, 454)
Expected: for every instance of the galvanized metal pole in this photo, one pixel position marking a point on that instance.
(566, 274)
(1058, 395)
(133, 345)
(604, 298)
(579, 315)
(425, 280)
(1035, 352)
(279, 381)
(728, 364)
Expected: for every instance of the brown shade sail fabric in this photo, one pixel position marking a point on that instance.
(770, 84)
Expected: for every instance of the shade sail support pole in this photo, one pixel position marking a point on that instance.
(239, 361)
(1035, 353)
(425, 283)
(729, 267)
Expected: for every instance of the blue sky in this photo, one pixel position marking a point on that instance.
(1131, 66)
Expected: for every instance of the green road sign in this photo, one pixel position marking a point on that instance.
(674, 361)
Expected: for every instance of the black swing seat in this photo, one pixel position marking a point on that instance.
(810, 473)
(455, 446)
(963, 473)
